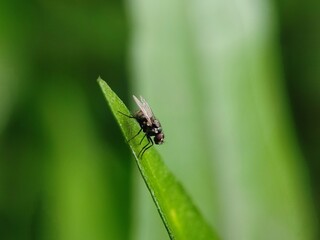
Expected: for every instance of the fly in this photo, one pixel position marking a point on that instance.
(149, 124)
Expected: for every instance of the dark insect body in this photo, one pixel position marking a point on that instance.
(148, 124)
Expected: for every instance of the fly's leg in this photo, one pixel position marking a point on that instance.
(148, 138)
(142, 138)
(146, 147)
(134, 118)
(135, 136)
(126, 115)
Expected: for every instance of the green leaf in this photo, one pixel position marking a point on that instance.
(180, 216)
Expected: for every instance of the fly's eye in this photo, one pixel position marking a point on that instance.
(158, 139)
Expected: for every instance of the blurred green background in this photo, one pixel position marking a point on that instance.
(235, 84)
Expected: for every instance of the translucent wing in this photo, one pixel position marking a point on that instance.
(147, 107)
(144, 108)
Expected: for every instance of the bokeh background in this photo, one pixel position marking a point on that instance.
(236, 85)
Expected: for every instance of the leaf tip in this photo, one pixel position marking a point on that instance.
(100, 80)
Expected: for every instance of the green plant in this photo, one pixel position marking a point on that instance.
(180, 216)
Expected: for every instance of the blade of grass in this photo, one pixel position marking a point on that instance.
(180, 216)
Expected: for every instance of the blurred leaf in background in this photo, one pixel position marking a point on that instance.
(214, 69)
(225, 79)
(64, 174)
(299, 38)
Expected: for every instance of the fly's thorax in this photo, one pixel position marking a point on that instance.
(139, 115)
(143, 122)
(156, 127)
(156, 123)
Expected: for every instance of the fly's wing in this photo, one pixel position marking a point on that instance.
(145, 109)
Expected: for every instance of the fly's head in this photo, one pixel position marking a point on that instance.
(159, 138)
(157, 132)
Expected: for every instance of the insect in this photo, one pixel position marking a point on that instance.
(149, 124)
